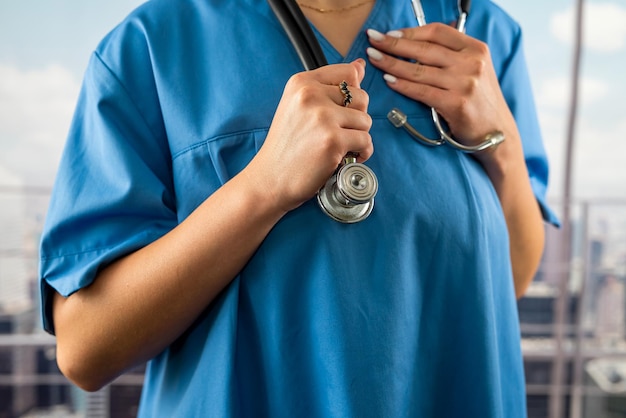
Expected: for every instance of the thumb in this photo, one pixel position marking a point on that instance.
(359, 65)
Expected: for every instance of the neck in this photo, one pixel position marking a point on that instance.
(339, 21)
(333, 6)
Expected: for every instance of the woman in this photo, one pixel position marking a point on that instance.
(184, 229)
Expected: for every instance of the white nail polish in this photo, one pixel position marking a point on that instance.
(394, 34)
(389, 78)
(375, 35)
(374, 54)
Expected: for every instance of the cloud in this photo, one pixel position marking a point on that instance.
(599, 161)
(555, 92)
(604, 28)
(36, 108)
(598, 169)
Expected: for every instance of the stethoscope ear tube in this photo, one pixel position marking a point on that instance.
(464, 6)
(299, 32)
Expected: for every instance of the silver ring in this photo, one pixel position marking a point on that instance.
(347, 96)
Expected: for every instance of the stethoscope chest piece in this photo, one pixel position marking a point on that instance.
(348, 196)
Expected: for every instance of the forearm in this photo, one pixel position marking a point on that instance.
(143, 302)
(507, 170)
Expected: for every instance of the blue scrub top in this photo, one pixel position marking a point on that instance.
(411, 312)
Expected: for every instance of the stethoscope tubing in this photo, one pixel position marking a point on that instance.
(300, 33)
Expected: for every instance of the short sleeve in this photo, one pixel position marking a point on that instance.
(516, 86)
(113, 193)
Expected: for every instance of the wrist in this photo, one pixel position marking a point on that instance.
(499, 160)
(261, 192)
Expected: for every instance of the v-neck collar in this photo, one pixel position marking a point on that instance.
(358, 46)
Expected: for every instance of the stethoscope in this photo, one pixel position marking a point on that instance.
(348, 196)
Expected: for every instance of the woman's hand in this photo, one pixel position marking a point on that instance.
(446, 70)
(311, 133)
(437, 65)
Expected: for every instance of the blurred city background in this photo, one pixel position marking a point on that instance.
(573, 318)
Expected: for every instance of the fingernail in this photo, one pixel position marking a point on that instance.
(361, 61)
(375, 35)
(395, 34)
(374, 54)
(389, 78)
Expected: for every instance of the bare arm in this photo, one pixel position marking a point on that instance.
(507, 170)
(140, 304)
(454, 74)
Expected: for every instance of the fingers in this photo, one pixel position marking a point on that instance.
(418, 44)
(341, 113)
(434, 64)
(410, 71)
(435, 33)
(326, 83)
(418, 62)
(348, 96)
(328, 115)
(424, 77)
(352, 73)
(344, 129)
(347, 92)
(354, 141)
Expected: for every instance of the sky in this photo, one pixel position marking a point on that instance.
(45, 46)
